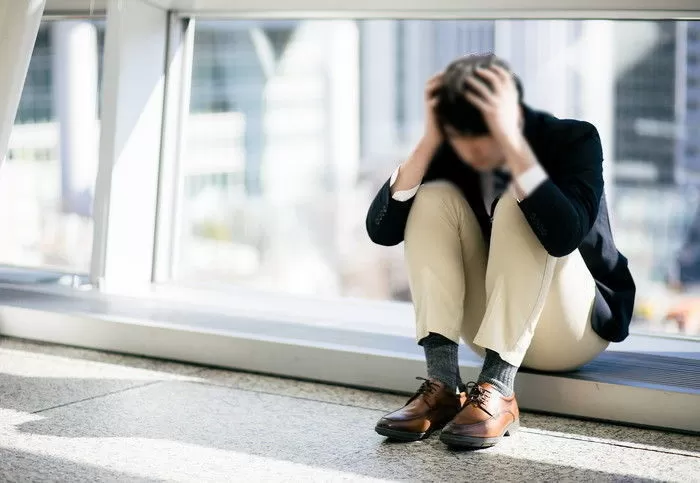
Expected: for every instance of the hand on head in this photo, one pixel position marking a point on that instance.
(433, 132)
(497, 98)
(475, 105)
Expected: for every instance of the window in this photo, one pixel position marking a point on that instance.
(36, 106)
(47, 183)
(294, 125)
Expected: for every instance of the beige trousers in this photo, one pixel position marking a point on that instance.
(512, 297)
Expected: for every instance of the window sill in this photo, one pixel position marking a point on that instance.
(616, 387)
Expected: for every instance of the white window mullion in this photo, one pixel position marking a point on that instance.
(19, 25)
(176, 112)
(130, 146)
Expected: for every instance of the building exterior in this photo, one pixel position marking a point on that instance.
(294, 124)
(688, 105)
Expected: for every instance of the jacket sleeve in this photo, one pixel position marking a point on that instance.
(387, 217)
(562, 213)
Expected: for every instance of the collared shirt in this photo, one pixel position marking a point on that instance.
(492, 184)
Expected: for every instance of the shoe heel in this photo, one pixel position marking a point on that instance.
(513, 428)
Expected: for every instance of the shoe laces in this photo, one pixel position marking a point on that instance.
(428, 388)
(478, 396)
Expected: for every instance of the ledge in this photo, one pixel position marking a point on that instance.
(616, 387)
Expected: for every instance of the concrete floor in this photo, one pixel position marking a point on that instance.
(79, 415)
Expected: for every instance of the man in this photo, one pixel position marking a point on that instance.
(537, 282)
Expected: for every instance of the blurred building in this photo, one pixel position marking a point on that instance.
(688, 89)
(293, 126)
(655, 92)
(645, 112)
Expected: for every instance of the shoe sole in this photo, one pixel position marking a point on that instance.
(400, 435)
(406, 436)
(461, 441)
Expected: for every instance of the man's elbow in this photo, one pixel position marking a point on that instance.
(379, 235)
(562, 246)
(560, 251)
(383, 240)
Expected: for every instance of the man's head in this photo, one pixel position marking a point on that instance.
(462, 123)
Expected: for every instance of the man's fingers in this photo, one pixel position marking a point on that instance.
(435, 77)
(502, 73)
(505, 78)
(491, 75)
(433, 84)
(434, 81)
(477, 101)
(480, 87)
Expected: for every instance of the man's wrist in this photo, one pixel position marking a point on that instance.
(428, 144)
(518, 155)
(424, 152)
(512, 145)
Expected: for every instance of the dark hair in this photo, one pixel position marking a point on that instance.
(453, 108)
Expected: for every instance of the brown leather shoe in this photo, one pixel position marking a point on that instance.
(430, 408)
(486, 417)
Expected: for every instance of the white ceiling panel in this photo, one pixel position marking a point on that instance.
(410, 8)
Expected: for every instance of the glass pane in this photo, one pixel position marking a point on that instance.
(48, 179)
(294, 125)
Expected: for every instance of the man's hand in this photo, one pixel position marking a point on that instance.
(412, 171)
(432, 135)
(499, 105)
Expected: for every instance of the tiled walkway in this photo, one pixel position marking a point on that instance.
(78, 415)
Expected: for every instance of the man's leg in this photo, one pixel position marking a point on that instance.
(538, 306)
(537, 313)
(446, 263)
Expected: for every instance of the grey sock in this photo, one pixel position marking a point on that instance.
(441, 357)
(498, 373)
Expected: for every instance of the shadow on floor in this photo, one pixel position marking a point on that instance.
(196, 425)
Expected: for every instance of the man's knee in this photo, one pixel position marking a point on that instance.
(441, 217)
(437, 194)
(510, 227)
(439, 203)
(508, 211)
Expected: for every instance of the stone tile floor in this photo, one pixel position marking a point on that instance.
(69, 414)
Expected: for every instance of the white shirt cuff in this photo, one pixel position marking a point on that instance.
(404, 195)
(531, 179)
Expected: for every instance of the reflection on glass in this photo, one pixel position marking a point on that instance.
(294, 125)
(47, 181)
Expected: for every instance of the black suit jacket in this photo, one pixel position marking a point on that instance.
(567, 212)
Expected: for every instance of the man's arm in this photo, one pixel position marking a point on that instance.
(410, 174)
(562, 214)
(388, 213)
